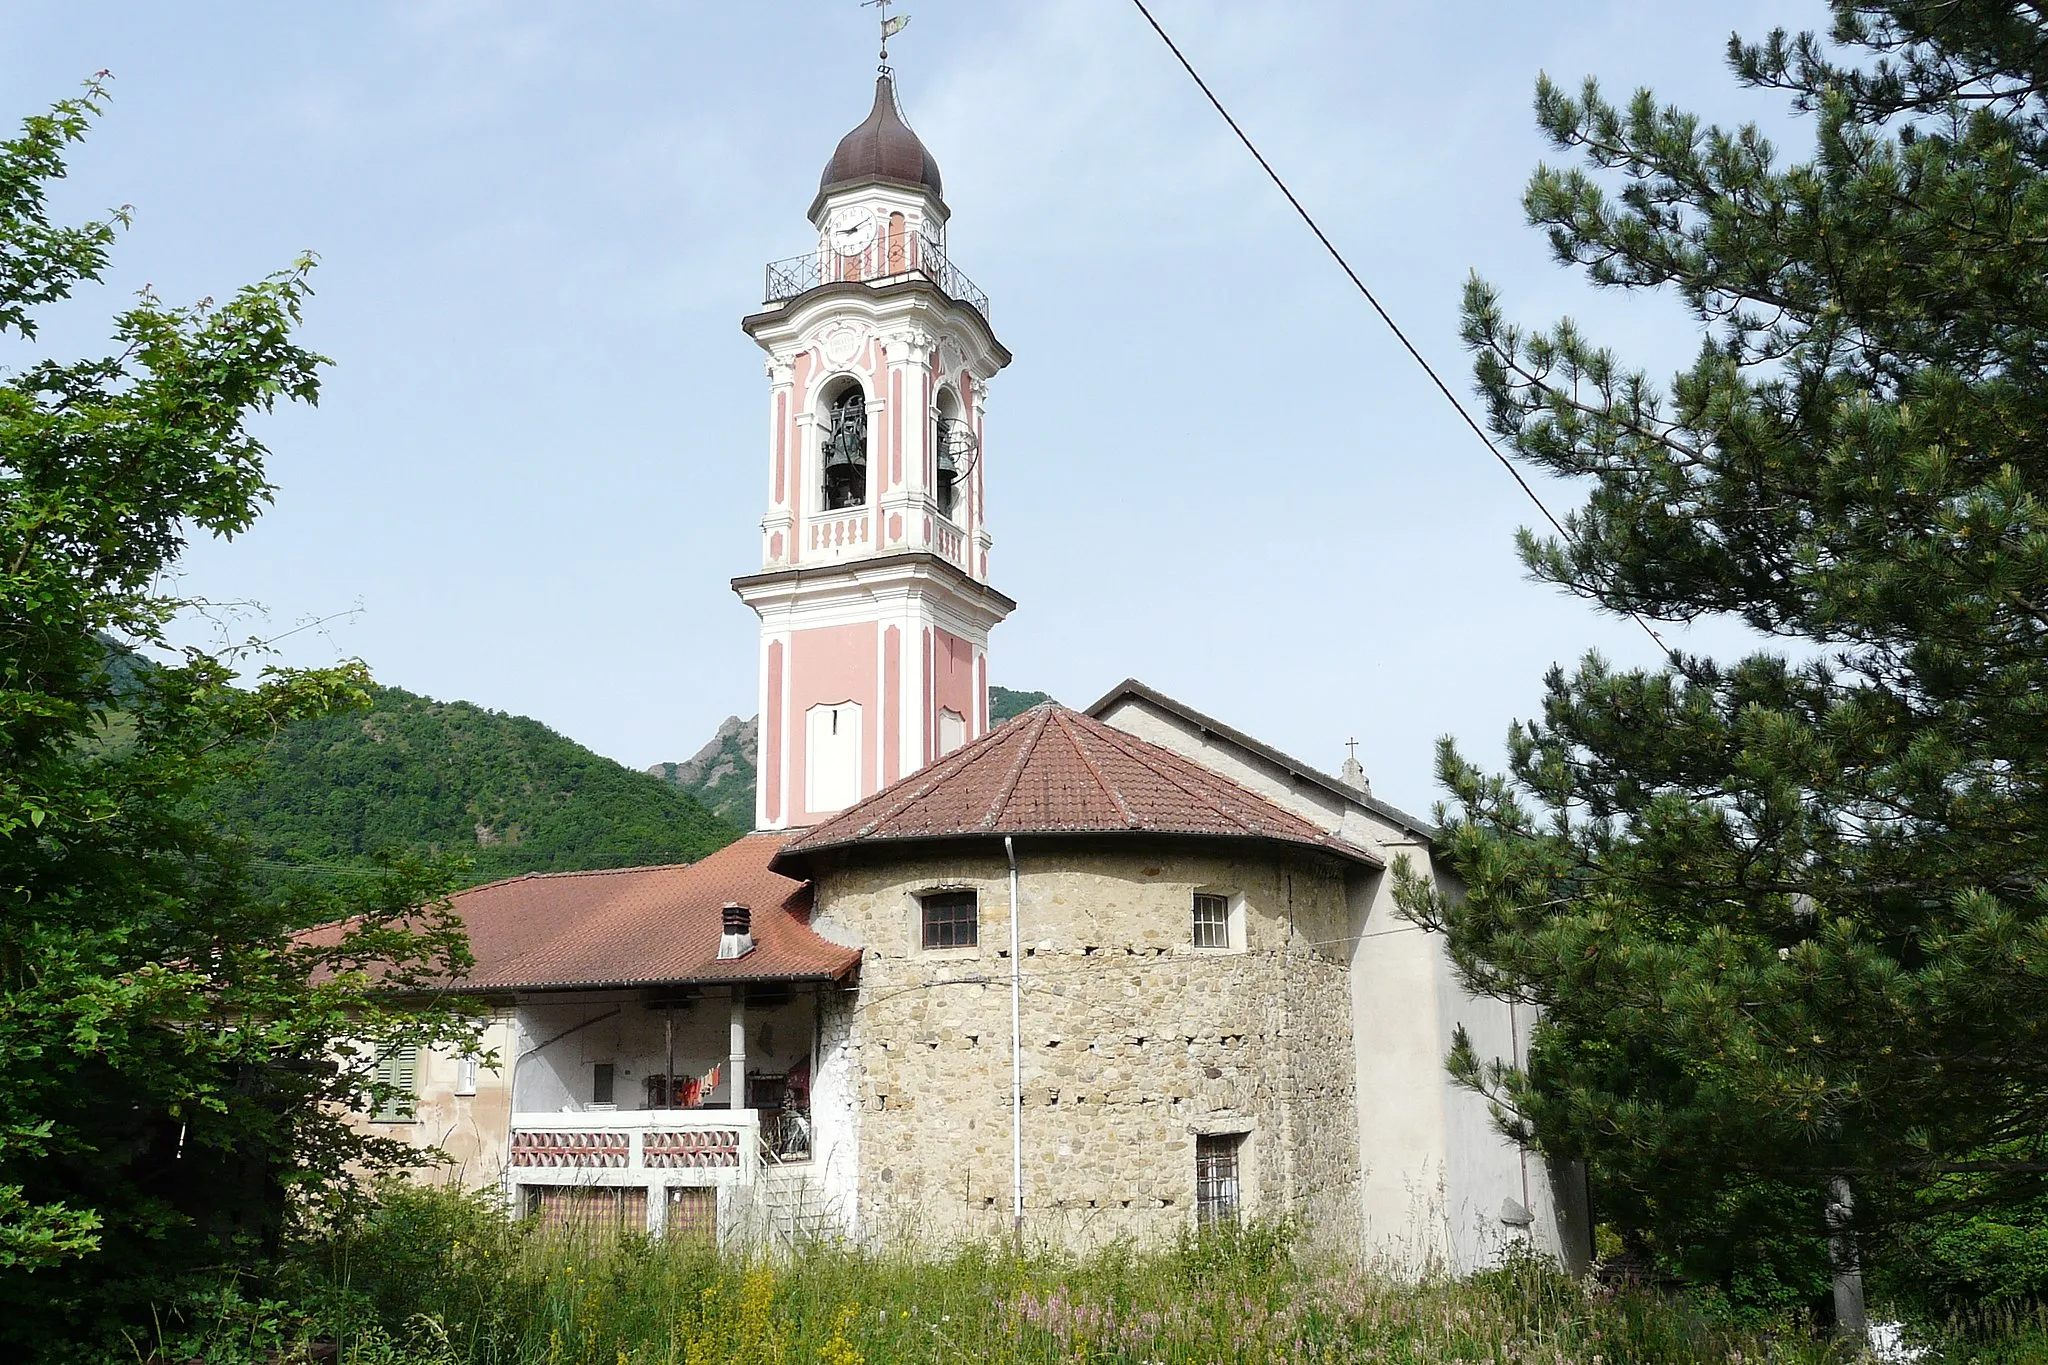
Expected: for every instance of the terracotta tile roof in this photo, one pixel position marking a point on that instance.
(1055, 771)
(645, 925)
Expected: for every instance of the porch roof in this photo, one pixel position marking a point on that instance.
(646, 926)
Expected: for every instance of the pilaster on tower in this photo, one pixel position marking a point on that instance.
(873, 593)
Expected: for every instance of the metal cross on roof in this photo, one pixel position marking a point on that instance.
(1352, 745)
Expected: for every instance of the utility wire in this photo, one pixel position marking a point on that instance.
(1386, 317)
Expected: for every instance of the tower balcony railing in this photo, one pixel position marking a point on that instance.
(890, 258)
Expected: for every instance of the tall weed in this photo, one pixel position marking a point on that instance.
(431, 1278)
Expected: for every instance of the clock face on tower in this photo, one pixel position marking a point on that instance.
(850, 229)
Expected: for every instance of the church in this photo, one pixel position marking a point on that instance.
(1081, 978)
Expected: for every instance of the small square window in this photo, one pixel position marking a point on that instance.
(952, 919)
(1212, 920)
(1216, 1176)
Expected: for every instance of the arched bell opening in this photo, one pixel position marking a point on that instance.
(843, 449)
(955, 446)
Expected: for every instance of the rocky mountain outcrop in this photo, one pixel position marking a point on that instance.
(721, 774)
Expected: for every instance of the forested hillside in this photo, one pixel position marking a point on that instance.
(1004, 704)
(504, 791)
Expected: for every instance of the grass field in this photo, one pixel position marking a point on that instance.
(430, 1279)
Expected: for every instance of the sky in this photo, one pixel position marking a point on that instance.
(539, 455)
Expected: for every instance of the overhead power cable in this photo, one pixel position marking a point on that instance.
(1386, 317)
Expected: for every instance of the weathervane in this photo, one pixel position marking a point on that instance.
(890, 27)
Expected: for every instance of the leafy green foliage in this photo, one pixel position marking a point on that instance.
(172, 1059)
(1786, 917)
(1964, 1261)
(1006, 704)
(333, 792)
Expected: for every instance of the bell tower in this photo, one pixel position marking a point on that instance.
(873, 592)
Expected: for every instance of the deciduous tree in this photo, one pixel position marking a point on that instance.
(173, 1061)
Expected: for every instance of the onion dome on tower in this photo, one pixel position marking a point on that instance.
(882, 148)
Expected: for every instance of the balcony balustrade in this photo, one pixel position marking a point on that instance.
(889, 259)
(651, 1146)
(951, 542)
(835, 533)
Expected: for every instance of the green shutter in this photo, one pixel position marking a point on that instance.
(398, 1068)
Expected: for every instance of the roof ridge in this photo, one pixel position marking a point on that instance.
(936, 773)
(1116, 739)
(568, 872)
(1029, 746)
(603, 871)
(1109, 790)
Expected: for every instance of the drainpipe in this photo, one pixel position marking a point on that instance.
(1016, 1062)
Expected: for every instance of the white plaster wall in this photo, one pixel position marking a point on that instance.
(1400, 1042)
(557, 1077)
(472, 1130)
(835, 1111)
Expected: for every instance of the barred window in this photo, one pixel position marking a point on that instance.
(1216, 1176)
(1212, 920)
(952, 919)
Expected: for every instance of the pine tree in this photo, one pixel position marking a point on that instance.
(1786, 916)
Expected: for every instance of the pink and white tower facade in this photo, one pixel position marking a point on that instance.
(873, 592)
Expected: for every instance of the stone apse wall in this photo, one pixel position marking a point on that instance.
(1135, 1042)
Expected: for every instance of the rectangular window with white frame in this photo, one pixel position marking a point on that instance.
(1218, 922)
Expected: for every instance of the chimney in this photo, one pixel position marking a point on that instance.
(737, 938)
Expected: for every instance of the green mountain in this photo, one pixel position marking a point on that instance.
(450, 777)
(721, 774)
(1003, 704)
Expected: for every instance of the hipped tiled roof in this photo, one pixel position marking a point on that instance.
(1055, 771)
(645, 926)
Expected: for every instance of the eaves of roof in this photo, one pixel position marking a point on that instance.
(908, 286)
(953, 573)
